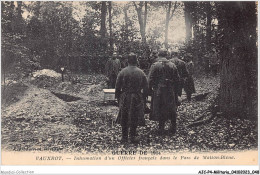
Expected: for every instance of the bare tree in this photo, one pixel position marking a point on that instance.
(209, 19)
(188, 20)
(110, 26)
(142, 17)
(103, 19)
(169, 14)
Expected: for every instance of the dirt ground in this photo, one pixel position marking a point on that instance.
(43, 113)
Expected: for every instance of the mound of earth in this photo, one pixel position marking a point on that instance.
(44, 81)
(36, 103)
(33, 122)
(46, 72)
(12, 92)
(45, 78)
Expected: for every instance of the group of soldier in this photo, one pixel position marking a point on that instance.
(168, 75)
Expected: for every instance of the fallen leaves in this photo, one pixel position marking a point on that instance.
(47, 122)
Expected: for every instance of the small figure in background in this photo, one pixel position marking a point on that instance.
(112, 67)
(123, 61)
(213, 62)
(189, 87)
(153, 58)
(207, 64)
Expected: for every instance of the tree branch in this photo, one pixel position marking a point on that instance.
(141, 4)
(169, 10)
(145, 14)
(136, 8)
(173, 10)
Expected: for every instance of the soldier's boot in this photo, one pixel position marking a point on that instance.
(161, 127)
(134, 140)
(189, 96)
(133, 136)
(124, 135)
(173, 127)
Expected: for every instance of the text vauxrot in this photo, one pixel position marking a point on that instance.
(87, 158)
(48, 157)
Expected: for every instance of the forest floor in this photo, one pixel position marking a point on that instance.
(43, 113)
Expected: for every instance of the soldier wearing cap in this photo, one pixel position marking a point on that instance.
(112, 68)
(189, 87)
(182, 70)
(123, 60)
(131, 92)
(163, 81)
(153, 58)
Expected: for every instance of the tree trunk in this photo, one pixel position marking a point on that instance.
(188, 21)
(142, 22)
(169, 15)
(103, 19)
(19, 9)
(103, 43)
(167, 24)
(37, 9)
(110, 26)
(126, 36)
(238, 86)
(3, 66)
(126, 18)
(12, 16)
(19, 19)
(166, 34)
(208, 27)
(145, 20)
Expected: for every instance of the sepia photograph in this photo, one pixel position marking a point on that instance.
(129, 83)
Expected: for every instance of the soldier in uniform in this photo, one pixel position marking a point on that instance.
(131, 92)
(123, 61)
(163, 82)
(213, 62)
(113, 66)
(189, 87)
(182, 70)
(153, 57)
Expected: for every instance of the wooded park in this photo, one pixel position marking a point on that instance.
(53, 73)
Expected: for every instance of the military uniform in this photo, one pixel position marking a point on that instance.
(163, 81)
(112, 68)
(189, 86)
(183, 72)
(129, 84)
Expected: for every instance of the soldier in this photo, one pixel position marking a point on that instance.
(189, 87)
(163, 82)
(112, 67)
(182, 70)
(154, 57)
(129, 84)
(181, 54)
(206, 63)
(213, 62)
(123, 61)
